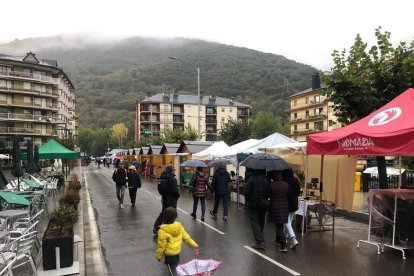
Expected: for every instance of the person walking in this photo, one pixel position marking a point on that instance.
(170, 238)
(168, 189)
(279, 208)
(134, 183)
(120, 177)
(257, 198)
(135, 163)
(220, 184)
(294, 190)
(199, 183)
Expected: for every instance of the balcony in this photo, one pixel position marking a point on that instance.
(165, 110)
(23, 90)
(149, 110)
(29, 76)
(178, 121)
(309, 105)
(21, 103)
(320, 116)
(211, 122)
(166, 121)
(25, 131)
(25, 117)
(306, 131)
(178, 111)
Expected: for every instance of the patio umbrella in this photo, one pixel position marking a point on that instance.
(194, 163)
(17, 169)
(30, 167)
(12, 198)
(197, 267)
(36, 158)
(265, 161)
(219, 162)
(3, 181)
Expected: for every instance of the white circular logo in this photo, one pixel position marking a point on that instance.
(385, 116)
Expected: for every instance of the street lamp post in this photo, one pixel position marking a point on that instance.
(197, 71)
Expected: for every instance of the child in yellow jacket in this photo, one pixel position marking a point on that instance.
(170, 237)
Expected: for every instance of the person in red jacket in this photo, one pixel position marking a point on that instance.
(199, 183)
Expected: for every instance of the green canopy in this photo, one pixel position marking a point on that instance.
(12, 198)
(54, 150)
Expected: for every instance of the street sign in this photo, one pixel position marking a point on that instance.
(147, 132)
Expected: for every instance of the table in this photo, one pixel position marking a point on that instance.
(9, 215)
(32, 183)
(321, 210)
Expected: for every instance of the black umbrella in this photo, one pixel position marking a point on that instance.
(17, 169)
(36, 158)
(265, 161)
(30, 167)
(219, 162)
(3, 181)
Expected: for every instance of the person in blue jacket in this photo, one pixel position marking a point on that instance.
(220, 184)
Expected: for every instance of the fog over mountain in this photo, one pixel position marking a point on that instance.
(110, 75)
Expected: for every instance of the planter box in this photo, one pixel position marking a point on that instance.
(66, 250)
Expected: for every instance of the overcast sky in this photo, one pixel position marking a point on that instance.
(303, 30)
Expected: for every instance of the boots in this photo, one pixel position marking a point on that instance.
(293, 242)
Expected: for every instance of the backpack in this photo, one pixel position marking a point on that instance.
(115, 176)
(163, 187)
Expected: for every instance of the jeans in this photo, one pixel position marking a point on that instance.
(120, 191)
(133, 194)
(203, 205)
(225, 199)
(288, 226)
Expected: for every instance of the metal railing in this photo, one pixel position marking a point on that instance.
(26, 117)
(24, 75)
(21, 130)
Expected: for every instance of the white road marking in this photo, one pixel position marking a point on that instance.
(185, 212)
(291, 271)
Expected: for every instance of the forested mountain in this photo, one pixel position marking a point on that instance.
(111, 75)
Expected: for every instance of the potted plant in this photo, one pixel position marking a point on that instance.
(59, 233)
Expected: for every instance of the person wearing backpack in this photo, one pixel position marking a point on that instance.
(168, 189)
(199, 184)
(120, 177)
(134, 183)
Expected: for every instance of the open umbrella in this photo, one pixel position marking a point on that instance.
(30, 167)
(12, 198)
(265, 161)
(194, 163)
(198, 267)
(219, 162)
(17, 169)
(36, 158)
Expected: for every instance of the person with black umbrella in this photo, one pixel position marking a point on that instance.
(31, 166)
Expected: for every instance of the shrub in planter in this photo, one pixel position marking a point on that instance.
(59, 233)
(70, 198)
(74, 183)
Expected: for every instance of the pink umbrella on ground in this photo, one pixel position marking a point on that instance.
(197, 267)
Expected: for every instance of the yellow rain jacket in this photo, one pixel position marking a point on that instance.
(170, 238)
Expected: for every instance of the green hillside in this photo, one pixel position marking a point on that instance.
(110, 76)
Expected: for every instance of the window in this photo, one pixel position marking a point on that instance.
(307, 114)
(295, 102)
(317, 98)
(295, 127)
(38, 101)
(166, 109)
(306, 99)
(4, 69)
(223, 109)
(331, 123)
(27, 99)
(319, 111)
(295, 115)
(222, 119)
(27, 85)
(231, 109)
(3, 97)
(307, 126)
(318, 126)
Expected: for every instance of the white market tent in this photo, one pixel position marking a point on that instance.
(209, 153)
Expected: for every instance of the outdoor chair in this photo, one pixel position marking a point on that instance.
(23, 251)
(8, 257)
(52, 187)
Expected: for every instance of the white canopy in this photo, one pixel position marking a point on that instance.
(214, 150)
(293, 153)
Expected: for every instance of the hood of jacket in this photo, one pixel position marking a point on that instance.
(221, 171)
(165, 175)
(174, 229)
(200, 174)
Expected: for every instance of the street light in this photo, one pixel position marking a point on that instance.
(197, 71)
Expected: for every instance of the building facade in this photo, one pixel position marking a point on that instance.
(37, 101)
(310, 112)
(162, 111)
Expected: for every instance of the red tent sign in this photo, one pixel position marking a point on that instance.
(387, 131)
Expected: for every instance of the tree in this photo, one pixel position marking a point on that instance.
(102, 136)
(177, 135)
(119, 132)
(265, 123)
(234, 132)
(85, 139)
(366, 79)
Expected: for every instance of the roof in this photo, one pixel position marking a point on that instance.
(53, 150)
(169, 148)
(154, 149)
(190, 99)
(193, 146)
(306, 91)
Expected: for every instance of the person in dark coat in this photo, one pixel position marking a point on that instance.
(220, 186)
(256, 194)
(293, 203)
(199, 183)
(120, 177)
(168, 189)
(279, 207)
(134, 183)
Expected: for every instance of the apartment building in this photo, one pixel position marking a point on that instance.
(310, 112)
(37, 101)
(158, 112)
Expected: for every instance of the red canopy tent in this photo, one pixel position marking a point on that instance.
(387, 131)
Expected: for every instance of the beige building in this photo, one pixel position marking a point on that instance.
(158, 112)
(37, 101)
(310, 112)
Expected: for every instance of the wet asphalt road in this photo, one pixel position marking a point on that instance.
(129, 246)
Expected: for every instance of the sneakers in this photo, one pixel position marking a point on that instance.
(193, 215)
(260, 246)
(213, 214)
(121, 206)
(293, 243)
(282, 248)
(202, 218)
(276, 242)
(225, 218)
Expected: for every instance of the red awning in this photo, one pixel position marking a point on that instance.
(387, 131)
